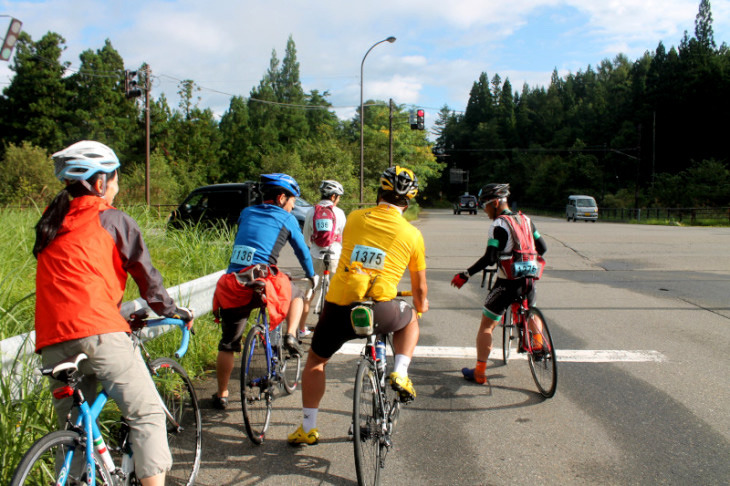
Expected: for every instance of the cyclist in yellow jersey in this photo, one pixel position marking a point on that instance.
(378, 244)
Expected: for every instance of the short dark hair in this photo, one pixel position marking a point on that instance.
(270, 193)
(392, 198)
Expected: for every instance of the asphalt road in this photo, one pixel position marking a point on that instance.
(659, 415)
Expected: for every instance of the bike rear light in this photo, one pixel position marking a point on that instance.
(63, 392)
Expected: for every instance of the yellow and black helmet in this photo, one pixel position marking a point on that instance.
(400, 180)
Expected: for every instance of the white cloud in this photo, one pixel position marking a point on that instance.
(442, 47)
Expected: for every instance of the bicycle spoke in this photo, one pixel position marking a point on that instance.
(255, 386)
(543, 364)
(41, 463)
(368, 427)
(184, 424)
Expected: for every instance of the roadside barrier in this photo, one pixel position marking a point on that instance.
(19, 351)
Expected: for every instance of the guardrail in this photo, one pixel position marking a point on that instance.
(198, 294)
(689, 215)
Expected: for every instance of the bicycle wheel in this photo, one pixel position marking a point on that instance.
(508, 332)
(543, 365)
(184, 423)
(256, 384)
(367, 431)
(291, 370)
(40, 464)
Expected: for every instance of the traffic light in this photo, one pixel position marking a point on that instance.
(10, 39)
(416, 120)
(131, 90)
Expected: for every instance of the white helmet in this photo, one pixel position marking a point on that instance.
(327, 188)
(83, 159)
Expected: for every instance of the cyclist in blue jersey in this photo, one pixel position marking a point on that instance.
(263, 230)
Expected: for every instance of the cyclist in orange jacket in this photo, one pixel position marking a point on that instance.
(85, 249)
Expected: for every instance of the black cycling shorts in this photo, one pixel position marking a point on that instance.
(334, 328)
(504, 293)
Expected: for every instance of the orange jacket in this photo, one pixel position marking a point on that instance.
(82, 273)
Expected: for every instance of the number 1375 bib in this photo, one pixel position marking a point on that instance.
(373, 258)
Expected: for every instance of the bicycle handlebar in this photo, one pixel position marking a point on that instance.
(169, 321)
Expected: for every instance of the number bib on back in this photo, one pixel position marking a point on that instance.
(323, 225)
(243, 255)
(372, 258)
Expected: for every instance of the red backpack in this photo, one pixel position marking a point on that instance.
(325, 226)
(524, 262)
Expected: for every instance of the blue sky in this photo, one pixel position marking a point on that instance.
(441, 48)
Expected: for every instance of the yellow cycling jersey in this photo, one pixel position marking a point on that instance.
(378, 244)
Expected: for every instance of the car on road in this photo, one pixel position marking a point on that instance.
(221, 204)
(581, 207)
(466, 203)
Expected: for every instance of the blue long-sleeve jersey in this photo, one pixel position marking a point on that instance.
(263, 230)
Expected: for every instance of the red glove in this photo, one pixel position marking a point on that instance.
(459, 279)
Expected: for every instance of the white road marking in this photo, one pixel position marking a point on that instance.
(563, 355)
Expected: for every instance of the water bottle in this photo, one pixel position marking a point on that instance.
(380, 354)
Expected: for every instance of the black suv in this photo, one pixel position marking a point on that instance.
(466, 203)
(223, 203)
(216, 204)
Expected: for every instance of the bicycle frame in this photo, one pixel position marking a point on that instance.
(86, 422)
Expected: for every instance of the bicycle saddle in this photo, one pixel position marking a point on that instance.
(63, 369)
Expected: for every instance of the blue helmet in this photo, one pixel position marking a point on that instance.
(84, 159)
(280, 180)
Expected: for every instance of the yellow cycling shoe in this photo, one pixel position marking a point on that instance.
(300, 437)
(403, 385)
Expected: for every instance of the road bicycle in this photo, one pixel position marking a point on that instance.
(376, 407)
(516, 326)
(94, 448)
(266, 367)
(326, 260)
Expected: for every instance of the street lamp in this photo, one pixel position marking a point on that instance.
(390, 39)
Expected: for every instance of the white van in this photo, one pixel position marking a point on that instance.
(581, 207)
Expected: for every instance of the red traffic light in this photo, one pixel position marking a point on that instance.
(10, 39)
(420, 122)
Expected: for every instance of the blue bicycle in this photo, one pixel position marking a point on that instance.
(69, 457)
(265, 366)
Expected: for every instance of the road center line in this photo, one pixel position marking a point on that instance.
(563, 355)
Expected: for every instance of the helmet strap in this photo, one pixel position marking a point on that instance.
(92, 189)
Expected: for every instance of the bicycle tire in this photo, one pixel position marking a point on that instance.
(256, 397)
(38, 466)
(185, 427)
(367, 430)
(290, 369)
(323, 293)
(508, 332)
(543, 364)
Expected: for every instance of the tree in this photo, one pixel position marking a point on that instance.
(35, 107)
(101, 111)
(236, 148)
(27, 176)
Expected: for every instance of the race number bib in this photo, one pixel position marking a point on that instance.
(525, 269)
(372, 258)
(243, 255)
(323, 225)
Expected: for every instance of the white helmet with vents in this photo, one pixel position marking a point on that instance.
(83, 159)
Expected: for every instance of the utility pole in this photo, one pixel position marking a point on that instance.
(147, 134)
(390, 135)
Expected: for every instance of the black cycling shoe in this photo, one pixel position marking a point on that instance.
(291, 344)
(219, 402)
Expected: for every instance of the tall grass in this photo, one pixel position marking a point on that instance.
(181, 255)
